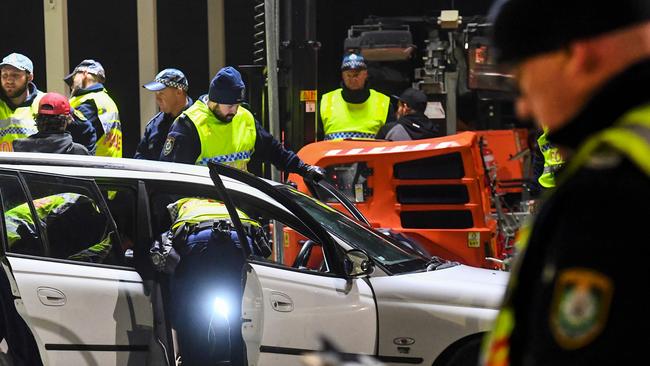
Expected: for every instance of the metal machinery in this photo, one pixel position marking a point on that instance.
(449, 58)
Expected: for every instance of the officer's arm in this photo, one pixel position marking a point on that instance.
(182, 144)
(268, 149)
(142, 152)
(89, 110)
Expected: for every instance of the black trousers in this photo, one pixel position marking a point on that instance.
(210, 268)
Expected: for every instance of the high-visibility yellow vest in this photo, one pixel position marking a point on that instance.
(231, 143)
(193, 210)
(17, 123)
(629, 136)
(45, 206)
(110, 143)
(343, 120)
(552, 161)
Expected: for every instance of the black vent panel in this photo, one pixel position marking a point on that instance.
(444, 194)
(452, 219)
(448, 166)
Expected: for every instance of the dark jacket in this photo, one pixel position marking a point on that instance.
(414, 126)
(87, 131)
(187, 147)
(593, 222)
(57, 143)
(155, 135)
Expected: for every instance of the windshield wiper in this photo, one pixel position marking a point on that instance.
(438, 263)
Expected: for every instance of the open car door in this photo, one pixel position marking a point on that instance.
(286, 310)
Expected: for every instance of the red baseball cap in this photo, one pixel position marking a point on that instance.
(54, 104)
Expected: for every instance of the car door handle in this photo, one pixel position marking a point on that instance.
(281, 302)
(50, 296)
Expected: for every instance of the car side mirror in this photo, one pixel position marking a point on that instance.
(358, 263)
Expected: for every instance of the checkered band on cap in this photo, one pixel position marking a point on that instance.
(171, 83)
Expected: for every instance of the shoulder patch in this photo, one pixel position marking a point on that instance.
(580, 306)
(169, 145)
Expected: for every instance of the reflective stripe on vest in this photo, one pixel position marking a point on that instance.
(552, 161)
(349, 120)
(18, 123)
(110, 143)
(629, 136)
(197, 210)
(230, 143)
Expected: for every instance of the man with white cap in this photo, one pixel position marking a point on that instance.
(101, 133)
(170, 86)
(18, 99)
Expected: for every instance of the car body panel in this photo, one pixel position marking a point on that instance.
(76, 307)
(447, 304)
(341, 310)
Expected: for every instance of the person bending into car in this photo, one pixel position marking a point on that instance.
(217, 128)
(210, 268)
(51, 121)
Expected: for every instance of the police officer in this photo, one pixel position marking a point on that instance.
(19, 99)
(52, 119)
(575, 293)
(217, 128)
(101, 131)
(71, 211)
(412, 123)
(354, 110)
(170, 86)
(553, 161)
(210, 268)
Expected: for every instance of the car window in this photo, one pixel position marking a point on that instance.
(21, 234)
(122, 203)
(266, 214)
(75, 222)
(390, 255)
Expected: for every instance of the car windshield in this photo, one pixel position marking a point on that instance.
(390, 254)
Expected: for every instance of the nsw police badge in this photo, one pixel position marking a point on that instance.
(580, 307)
(169, 145)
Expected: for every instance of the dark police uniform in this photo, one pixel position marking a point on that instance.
(155, 134)
(576, 294)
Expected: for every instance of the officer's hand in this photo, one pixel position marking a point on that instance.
(313, 173)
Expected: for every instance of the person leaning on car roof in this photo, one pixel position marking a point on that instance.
(52, 119)
(217, 128)
(170, 86)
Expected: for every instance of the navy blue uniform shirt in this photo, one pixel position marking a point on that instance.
(187, 146)
(155, 134)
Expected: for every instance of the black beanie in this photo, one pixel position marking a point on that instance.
(525, 28)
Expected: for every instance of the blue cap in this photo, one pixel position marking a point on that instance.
(18, 61)
(227, 87)
(353, 61)
(172, 78)
(90, 66)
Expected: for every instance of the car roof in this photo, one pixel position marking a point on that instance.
(96, 166)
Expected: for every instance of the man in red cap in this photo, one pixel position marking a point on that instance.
(51, 121)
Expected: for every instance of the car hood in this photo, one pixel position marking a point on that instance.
(460, 285)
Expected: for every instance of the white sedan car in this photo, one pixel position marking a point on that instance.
(70, 304)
